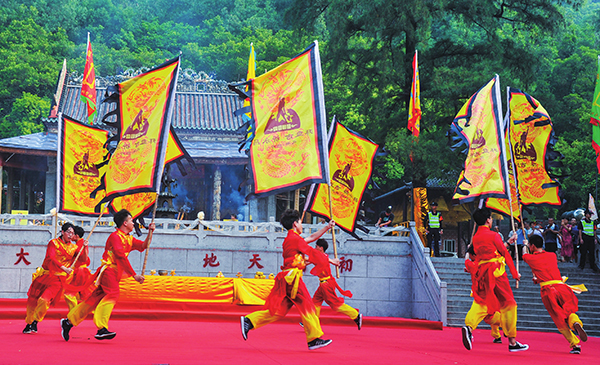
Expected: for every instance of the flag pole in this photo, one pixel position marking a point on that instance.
(335, 254)
(505, 166)
(58, 171)
(150, 234)
(89, 235)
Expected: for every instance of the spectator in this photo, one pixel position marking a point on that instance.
(521, 237)
(567, 241)
(385, 218)
(587, 240)
(575, 237)
(551, 236)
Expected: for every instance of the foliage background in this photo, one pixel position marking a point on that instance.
(547, 48)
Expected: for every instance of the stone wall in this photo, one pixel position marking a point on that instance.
(380, 271)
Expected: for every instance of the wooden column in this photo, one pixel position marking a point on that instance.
(9, 190)
(216, 207)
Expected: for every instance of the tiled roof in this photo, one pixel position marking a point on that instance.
(193, 111)
(204, 150)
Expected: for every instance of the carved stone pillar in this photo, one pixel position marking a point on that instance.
(216, 207)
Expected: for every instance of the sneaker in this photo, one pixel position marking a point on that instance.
(34, 327)
(27, 329)
(517, 347)
(246, 325)
(580, 331)
(317, 343)
(467, 337)
(575, 350)
(358, 321)
(66, 326)
(104, 334)
(497, 340)
(301, 324)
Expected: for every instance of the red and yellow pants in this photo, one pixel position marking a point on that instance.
(478, 313)
(326, 292)
(280, 301)
(42, 292)
(562, 305)
(101, 301)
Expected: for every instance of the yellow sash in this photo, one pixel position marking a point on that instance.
(500, 270)
(293, 277)
(322, 280)
(577, 289)
(39, 272)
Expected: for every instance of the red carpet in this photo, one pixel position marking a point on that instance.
(217, 340)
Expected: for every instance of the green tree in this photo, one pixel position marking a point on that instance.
(25, 116)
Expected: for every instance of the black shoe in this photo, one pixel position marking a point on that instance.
(358, 321)
(575, 350)
(467, 337)
(317, 343)
(246, 326)
(104, 334)
(517, 347)
(66, 326)
(34, 327)
(27, 329)
(497, 340)
(580, 331)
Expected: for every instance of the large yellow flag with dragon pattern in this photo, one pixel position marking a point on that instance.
(144, 117)
(350, 165)
(81, 154)
(532, 140)
(479, 125)
(288, 143)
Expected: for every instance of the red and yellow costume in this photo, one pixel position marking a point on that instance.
(80, 276)
(559, 300)
(327, 286)
(289, 289)
(490, 284)
(115, 265)
(49, 280)
(478, 310)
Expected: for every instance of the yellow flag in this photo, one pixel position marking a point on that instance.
(145, 108)
(82, 151)
(288, 149)
(350, 164)
(478, 124)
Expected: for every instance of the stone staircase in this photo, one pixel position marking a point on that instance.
(531, 313)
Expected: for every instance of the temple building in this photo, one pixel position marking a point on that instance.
(203, 120)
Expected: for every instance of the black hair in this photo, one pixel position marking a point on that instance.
(481, 216)
(65, 227)
(536, 240)
(322, 243)
(289, 217)
(79, 231)
(121, 216)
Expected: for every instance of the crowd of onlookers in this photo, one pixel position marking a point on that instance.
(571, 239)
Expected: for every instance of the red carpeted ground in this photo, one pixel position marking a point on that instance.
(218, 342)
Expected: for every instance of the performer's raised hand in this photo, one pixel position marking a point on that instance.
(151, 227)
(139, 278)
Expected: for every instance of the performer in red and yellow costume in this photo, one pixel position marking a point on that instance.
(490, 285)
(328, 285)
(558, 298)
(49, 280)
(81, 273)
(289, 288)
(480, 310)
(115, 265)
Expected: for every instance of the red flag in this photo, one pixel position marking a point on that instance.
(88, 84)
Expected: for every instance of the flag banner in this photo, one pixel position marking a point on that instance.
(414, 108)
(287, 142)
(592, 207)
(595, 119)
(139, 205)
(81, 166)
(88, 84)
(479, 125)
(144, 111)
(420, 210)
(532, 140)
(350, 164)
